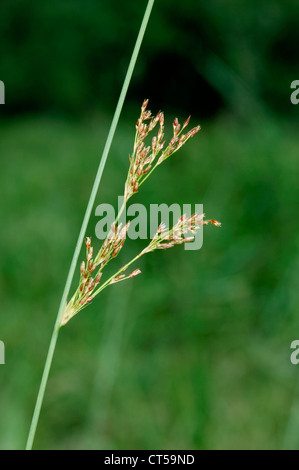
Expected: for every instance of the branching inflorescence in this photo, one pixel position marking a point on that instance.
(143, 161)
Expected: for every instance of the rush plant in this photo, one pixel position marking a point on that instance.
(143, 161)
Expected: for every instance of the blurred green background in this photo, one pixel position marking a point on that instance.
(195, 352)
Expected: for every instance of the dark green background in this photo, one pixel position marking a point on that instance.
(195, 352)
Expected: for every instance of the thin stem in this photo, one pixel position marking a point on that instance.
(90, 204)
(148, 174)
(121, 270)
(42, 388)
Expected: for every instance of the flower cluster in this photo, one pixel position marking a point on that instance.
(143, 162)
(168, 238)
(113, 244)
(145, 159)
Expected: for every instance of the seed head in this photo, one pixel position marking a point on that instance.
(83, 270)
(135, 273)
(215, 222)
(144, 105)
(186, 122)
(98, 278)
(117, 278)
(87, 242)
(90, 253)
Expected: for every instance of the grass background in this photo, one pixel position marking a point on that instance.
(195, 352)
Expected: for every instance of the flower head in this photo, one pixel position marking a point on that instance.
(144, 160)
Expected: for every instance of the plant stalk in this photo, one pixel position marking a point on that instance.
(49, 359)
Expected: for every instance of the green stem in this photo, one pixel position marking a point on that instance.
(121, 270)
(90, 204)
(42, 388)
